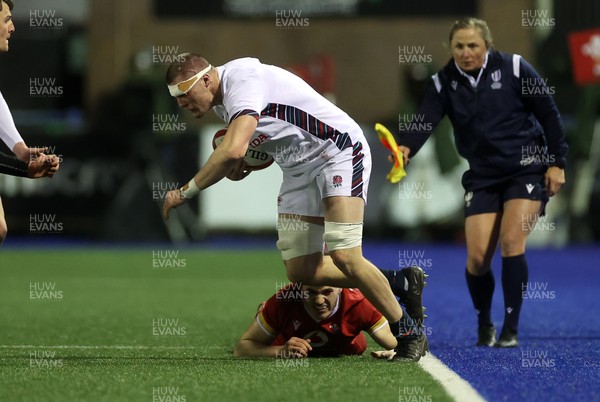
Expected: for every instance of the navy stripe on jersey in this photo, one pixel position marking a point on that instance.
(314, 126)
(248, 112)
(357, 170)
(306, 122)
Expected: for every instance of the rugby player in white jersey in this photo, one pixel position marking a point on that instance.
(29, 162)
(326, 163)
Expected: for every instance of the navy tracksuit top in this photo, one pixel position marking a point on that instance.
(506, 126)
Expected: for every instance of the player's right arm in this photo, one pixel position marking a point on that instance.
(222, 161)
(229, 153)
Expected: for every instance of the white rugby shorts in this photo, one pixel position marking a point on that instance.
(346, 174)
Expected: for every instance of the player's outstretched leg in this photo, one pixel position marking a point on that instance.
(343, 236)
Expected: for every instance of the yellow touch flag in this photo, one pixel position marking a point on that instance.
(387, 139)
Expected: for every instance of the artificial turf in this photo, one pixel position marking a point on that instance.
(159, 324)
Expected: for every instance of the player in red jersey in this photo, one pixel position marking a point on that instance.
(302, 321)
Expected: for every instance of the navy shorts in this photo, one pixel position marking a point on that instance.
(492, 198)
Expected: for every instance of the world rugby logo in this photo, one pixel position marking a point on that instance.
(496, 76)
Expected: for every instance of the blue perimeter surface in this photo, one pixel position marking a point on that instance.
(559, 330)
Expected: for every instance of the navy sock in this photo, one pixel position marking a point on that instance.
(515, 274)
(481, 289)
(406, 328)
(395, 328)
(395, 279)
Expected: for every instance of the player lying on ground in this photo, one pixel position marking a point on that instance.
(323, 321)
(326, 164)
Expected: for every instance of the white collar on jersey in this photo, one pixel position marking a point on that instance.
(183, 87)
(472, 79)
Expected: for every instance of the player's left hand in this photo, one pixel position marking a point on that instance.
(384, 354)
(42, 165)
(173, 199)
(554, 179)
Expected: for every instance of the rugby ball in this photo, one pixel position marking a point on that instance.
(255, 158)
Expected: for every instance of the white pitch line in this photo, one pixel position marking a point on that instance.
(459, 389)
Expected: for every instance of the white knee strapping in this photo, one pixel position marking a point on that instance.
(298, 238)
(339, 236)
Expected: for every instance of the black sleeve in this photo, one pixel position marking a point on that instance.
(431, 111)
(13, 166)
(545, 111)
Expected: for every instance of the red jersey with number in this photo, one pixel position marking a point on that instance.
(284, 316)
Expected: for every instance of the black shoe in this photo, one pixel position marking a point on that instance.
(508, 339)
(486, 336)
(411, 293)
(411, 350)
